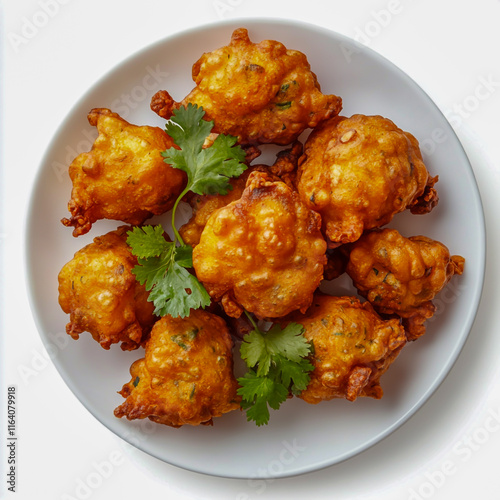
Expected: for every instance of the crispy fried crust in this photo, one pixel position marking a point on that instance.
(101, 295)
(264, 252)
(260, 93)
(401, 275)
(204, 205)
(359, 172)
(123, 177)
(186, 376)
(352, 348)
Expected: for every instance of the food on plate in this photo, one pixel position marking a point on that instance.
(248, 265)
(203, 206)
(258, 92)
(101, 295)
(186, 376)
(263, 253)
(359, 172)
(352, 348)
(401, 275)
(124, 176)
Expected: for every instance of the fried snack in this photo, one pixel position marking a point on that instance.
(260, 93)
(203, 206)
(186, 376)
(401, 275)
(264, 252)
(359, 172)
(353, 347)
(101, 295)
(124, 176)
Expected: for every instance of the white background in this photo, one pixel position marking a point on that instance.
(447, 450)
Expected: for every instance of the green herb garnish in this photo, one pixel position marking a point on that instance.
(163, 265)
(278, 365)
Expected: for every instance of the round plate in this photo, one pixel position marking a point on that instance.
(300, 437)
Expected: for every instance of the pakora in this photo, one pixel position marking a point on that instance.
(124, 176)
(401, 275)
(352, 348)
(186, 376)
(359, 172)
(264, 252)
(204, 205)
(259, 92)
(101, 295)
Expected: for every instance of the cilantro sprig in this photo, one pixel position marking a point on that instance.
(163, 268)
(277, 365)
(163, 265)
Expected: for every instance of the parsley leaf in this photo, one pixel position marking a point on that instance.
(278, 365)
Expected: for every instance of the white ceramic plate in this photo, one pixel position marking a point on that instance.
(300, 437)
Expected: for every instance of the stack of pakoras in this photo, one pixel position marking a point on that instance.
(266, 245)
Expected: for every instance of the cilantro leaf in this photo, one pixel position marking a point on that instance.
(216, 165)
(188, 129)
(293, 374)
(147, 241)
(259, 392)
(150, 271)
(259, 348)
(178, 293)
(254, 352)
(289, 341)
(278, 364)
(209, 169)
(184, 256)
(161, 268)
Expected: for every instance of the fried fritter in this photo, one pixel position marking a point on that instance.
(401, 275)
(124, 176)
(353, 347)
(101, 295)
(203, 206)
(264, 252)
(260, 93)
(359, 172)
(186, 376)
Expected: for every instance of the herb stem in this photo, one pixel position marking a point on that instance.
(250, 318)
(177, 236)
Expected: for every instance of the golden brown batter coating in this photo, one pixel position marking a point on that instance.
(186, 376)
(359, 172)
(203, 206)
(401, 275)
(124, 176)
(101, 295)
(260, 93)
(264, 252)
(353, 347)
